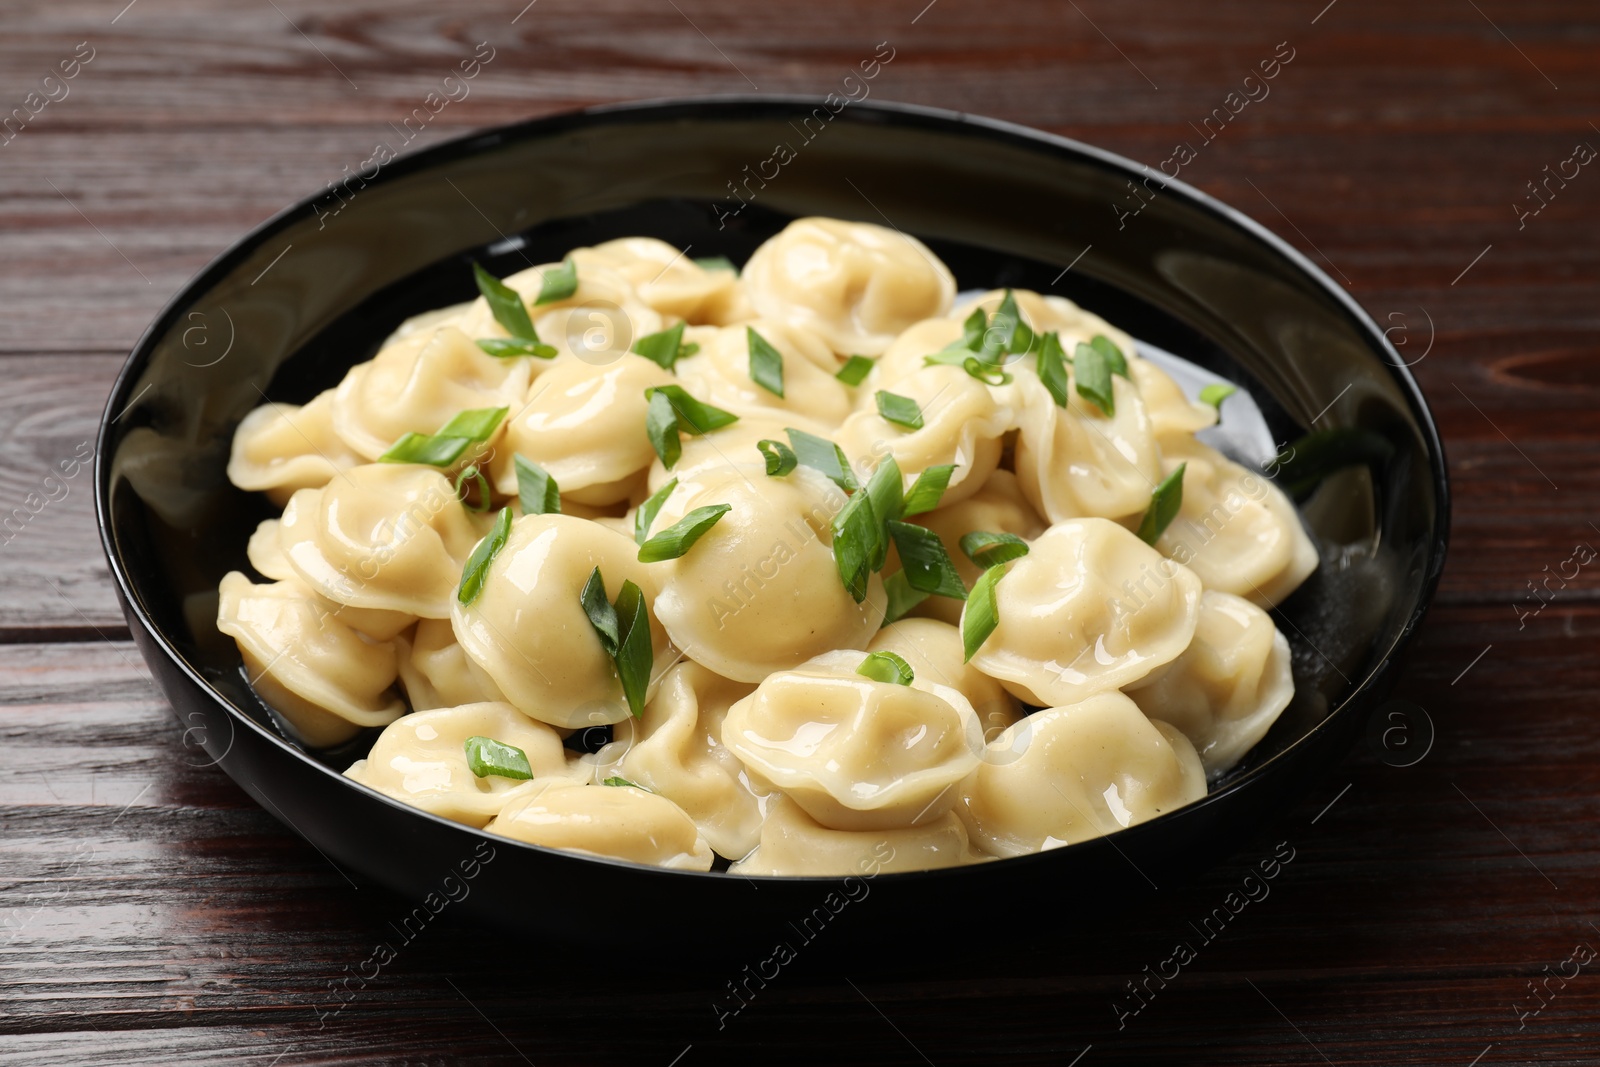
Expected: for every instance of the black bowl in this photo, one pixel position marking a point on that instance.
(288, 309)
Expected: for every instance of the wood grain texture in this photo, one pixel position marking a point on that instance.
(151, 914)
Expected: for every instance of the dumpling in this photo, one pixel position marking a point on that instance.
(998, 507)
(327, 681)
(793, 843)
(669, 281)
(279, 448)
(437, 673)
(421, 760)
(1068, 774)
(419, 383)
(934, 651)
(1074, 461)
(961, 424)
(1235, 529)
(265, 553)
(908, 353)
(734, 445)
(389, 536)
(855, 284)
(677, 752)
(719, 374)
(760, 592)
(585, 425)
(619, 822)
(527, 628)
(1049, 314)
(855, 753)
(1229, 686)
(1089, 608)
(1172, 413)
(598, 322)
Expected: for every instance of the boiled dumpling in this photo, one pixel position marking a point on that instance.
(1049, 314)
(669, 281)
(907, 355)
(999, 507)
(961, 424)
(734, 445)
(719, 374)
(1173, 416)
(1228, 687)
(934, 651)
(585, 425)
(1235, 529)
(855, 753)
(793, 843)
(1068, 774)
(855, 284)
(265, 553)
(1089, 608)
(619, 822)
(325, 679)
(1075, 461)
(527, 628)
(388, 536)
(279, 448)
(596, 324)
(421, 759)
(759, 592)
(677, 752)
(419, 383)
(437, 673)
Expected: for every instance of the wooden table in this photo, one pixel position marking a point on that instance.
(153, 914)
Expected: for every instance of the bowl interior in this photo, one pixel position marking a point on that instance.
(286, 312)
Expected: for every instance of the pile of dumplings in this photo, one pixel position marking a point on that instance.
(1118, 677)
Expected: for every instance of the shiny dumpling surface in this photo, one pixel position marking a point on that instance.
(793, 843)
(1089, 608)
(669, 281)
(855, 753)
(1229, 686)
(1075, 460)
(759, 592)
(421, 759)
(856, 284)
(719, 373)
(934, 651)
(389, 536)
(279, 448)
(1068, 774)
(436, 671)
(527, 628)
(619, 822)
(325, 679)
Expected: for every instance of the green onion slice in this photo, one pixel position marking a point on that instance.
(823, 455)
(926, 491)
(511, 348)
(602, 616)
(678, 538)
(1093, 374)
(1216, 393)
(665, 348)
(536, 490)
(505, 303)
(558, 283)
(766, 362)
(486, 756)
(1053, 369)
(779, 456)
(902, 598)
(855, 370)
(1114, 357)
(988, 549)
(1164, 505)
(634, 655)
(471, 473)
(649, 510)
(900, 410)
(716, 263)
(476, 572)
(886, 667)
(928, 566)
(980, 616)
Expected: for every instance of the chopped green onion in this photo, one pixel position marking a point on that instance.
(855, 370)
(1108, 348)
(634, 655)
(823, 455)
(476, 572)
(954, 356)
(505, 303)
(886, 667)
(856, 533)
(471, 472)
(766, 362)
(1216, 393)
(558, 283)
(445, 447)
(693, 416)
(1093, 374)
(902, 598)
(926, 491)
(716, 263)
(779, 456)
(618, 780)
(602, 616)
(1053, 369)
(988, 549)
(649, 510)
(900, 410)
(1007, 332)
(661, 427)
(987, 373)
(980, 616)
(665, 348)
(888, 502)
(927, 565)
(972, 330)
(536, 490)
(511, 348)
(486, 756)
(678, 538)
(1164, 505)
